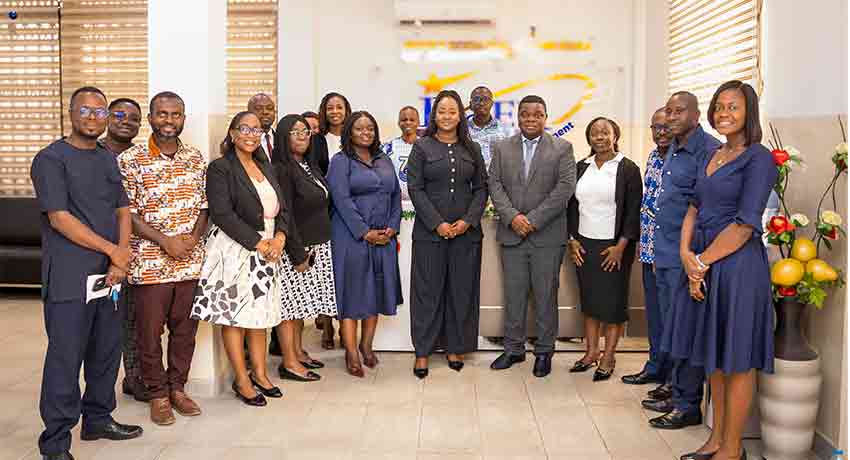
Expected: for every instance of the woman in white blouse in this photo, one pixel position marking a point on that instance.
(604, 226)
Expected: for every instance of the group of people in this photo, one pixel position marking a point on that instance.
(299, 219)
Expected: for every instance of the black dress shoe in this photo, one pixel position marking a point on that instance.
(135, 388)
(542, 365)
(664, 406)
(273, 392)
(287, 374)
(581, 366)
(113, 431)
(506, 360)
(420, 373)
(697, 456)
(455, 365)
(641, 378)
(661, 392)
(676, 420)
(312, 364)
(256, 401)
(62, 456)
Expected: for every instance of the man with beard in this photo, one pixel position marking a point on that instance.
(262, 106)
(85, 230)
(165, 181)
(657, 367)
(678, 178)
(125, 118)
(483, 128)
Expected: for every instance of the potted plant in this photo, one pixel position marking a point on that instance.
(790, 397)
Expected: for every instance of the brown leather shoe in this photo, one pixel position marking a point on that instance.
(161, 413)
(184, 405)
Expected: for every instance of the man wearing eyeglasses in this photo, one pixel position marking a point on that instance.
(262, 106)
(483, 127)
(85, 231)
(657, 368)
(123, 122)
(165, 181)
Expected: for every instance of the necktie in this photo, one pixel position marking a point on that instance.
(528, 154)
(269, 145)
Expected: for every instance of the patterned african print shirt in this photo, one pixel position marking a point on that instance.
(169, 194)
(651, 189)
(486, 136)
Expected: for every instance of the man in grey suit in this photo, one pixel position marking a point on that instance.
(532, 176)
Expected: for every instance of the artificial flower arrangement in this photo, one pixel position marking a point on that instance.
(801, 274)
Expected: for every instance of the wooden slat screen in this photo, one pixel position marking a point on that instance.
(711, 42)
(30, 102)
(105, 44)
(251, 51)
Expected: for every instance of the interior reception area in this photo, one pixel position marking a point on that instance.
(423, 229)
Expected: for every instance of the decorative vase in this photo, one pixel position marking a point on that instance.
(788, 340)
(790, 397)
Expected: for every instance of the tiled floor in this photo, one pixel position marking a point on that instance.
(474, 414)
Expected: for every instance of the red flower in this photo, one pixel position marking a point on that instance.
(787, 291)
(780, 157)
(397, 246)
(832, 234)
(780, 225)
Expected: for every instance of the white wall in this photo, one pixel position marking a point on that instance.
(356, 51)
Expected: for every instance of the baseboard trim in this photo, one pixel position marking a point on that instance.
(822, 447)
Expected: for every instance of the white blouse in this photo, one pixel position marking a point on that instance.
(595, 192)
(334, 144)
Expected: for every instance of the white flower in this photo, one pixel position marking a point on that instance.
(841, 148)
(793, 152)
(800, 220)
(830, 217)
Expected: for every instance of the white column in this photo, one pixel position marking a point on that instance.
(186, 55)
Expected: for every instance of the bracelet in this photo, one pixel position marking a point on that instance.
(701, 265)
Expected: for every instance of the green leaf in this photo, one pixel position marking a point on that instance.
(827, 243)
(785, 237)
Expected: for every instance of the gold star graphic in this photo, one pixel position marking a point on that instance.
(435, 84)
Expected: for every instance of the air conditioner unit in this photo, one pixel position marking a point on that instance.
(444, 12)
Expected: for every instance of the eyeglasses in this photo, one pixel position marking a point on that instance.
(480, 99)
(300, 133)
(100, 113)
(121, 115)
(660, 128)
(249, 131)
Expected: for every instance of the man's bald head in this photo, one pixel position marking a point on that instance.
(262, 105)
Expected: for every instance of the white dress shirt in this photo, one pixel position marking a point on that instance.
(595, 192)
(334, 144)
(267, 141)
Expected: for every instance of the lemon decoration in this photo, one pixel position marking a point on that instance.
(787, 272)
(804, 250)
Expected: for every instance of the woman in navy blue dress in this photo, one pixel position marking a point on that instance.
(365, 220)
(728, 272)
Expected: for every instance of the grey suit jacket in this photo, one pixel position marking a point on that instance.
(542, 198)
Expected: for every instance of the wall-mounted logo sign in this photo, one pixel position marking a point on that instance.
(481, 50)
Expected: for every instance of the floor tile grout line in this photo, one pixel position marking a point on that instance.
(536, 421)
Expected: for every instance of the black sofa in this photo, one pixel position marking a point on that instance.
(20, 241)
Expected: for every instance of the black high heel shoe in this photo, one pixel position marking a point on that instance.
(454, 365)
(604, 374)
(697, 456)
(273, 392)
(581, 366)
(256, 401)
(420, 373)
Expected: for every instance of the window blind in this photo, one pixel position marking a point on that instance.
(29, 89)
(105, 44)
(251, 52)
(711, 42)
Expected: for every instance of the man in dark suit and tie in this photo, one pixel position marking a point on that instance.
(532, 176)
(262, 105)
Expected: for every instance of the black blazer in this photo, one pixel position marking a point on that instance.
(310, 221)
(627, 195)
(446, 184)
(234, 203)
(319, 152)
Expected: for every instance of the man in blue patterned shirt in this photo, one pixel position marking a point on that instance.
(483, 127)
(657, 368)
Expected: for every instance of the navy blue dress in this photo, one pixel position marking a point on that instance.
(732, 330)
(364, 197)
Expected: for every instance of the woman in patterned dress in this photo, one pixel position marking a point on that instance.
(306, 266)
(239, 287)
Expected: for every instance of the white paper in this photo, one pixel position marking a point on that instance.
(92, 293)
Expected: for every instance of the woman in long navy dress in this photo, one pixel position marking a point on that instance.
(728, 272)
(365, 220)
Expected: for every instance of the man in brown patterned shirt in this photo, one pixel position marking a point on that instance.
(165, 181)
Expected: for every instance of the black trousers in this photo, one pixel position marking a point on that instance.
(445, 295)
(78, 333)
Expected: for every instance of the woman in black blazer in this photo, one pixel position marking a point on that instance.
(239, 287)
(447, 182)
(604, 226)
(306, 267)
